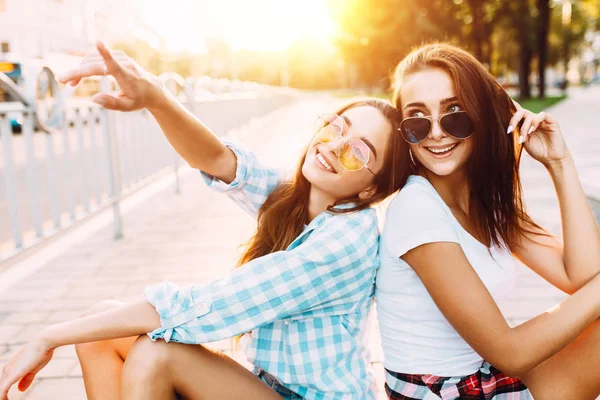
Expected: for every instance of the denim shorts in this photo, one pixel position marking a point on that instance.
(276, 385)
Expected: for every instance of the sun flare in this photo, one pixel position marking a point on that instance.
(260, 25)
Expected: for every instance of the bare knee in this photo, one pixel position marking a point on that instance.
(147, 360)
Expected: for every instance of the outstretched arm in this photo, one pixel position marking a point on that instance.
(130, 320)
(139, 89)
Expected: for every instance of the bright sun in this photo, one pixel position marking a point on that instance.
(246, 24)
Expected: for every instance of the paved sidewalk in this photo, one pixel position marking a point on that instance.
(194, 237)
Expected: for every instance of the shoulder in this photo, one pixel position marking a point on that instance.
(357, 228)
(417, 216)
(416, 197)
(363, 218)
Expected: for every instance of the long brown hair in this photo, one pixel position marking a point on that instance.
(496, 202)
(283, 215)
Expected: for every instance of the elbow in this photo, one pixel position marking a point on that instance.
(512, 360)
(512, 369)
(577, 281)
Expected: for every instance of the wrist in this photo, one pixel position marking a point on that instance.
(46, 339)
(559, 164)
(158, 94)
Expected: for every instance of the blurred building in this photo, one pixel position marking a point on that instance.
(45, 28)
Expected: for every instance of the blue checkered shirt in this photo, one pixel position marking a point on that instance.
(307, 307)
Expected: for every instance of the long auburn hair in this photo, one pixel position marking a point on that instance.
(282, 217)
(496, 200)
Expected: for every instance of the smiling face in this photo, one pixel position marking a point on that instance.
(322, 167)
(430, 92)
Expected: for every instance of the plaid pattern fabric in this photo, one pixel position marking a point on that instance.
(253, 182)
(307, 306)
(486, 384)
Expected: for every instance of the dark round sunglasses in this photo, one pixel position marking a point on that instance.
(416, 129)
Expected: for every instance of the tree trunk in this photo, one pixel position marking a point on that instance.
(542, 44)
(525, 52)
(477, 33)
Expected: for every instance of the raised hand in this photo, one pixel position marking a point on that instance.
(541, 136)
(23, 366)
(138, 88)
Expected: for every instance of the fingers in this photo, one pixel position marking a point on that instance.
(114, 103)
(90, 66)
(526, 128)
(539, 118)
(83, 71)
(114, 67)
(25, 382)
(515, 119)
(6, 382)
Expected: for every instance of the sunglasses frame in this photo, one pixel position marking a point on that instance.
(340, 135)
(439, 119)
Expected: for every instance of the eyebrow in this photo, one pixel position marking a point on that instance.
(368, 143)
(348, 122)
(364, 139)
(420, 104)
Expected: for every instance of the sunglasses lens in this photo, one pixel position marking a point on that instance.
(328, 127)
(457, 124)
(415, 130)
(354, 155)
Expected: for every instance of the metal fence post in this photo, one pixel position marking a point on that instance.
(112, 158)
(11, 181)
(32, 179)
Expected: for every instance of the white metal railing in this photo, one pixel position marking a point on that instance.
(89, 159)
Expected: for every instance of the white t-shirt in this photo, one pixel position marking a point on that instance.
(416, 337)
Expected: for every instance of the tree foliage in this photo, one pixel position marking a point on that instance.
(506, 35)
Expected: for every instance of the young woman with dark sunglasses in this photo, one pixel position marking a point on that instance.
(452, 237)
(304, 287)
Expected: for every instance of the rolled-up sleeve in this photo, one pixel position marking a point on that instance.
(253, 182)
(332, 271)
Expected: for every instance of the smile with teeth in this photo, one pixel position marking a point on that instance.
(442, 150)
(323, 162)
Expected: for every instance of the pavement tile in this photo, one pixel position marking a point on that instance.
(57, 368)
(8, 332)
(22, 318)
(65, 352)
(63, 389)
(15, 394)
(62, 316)
(26, 333)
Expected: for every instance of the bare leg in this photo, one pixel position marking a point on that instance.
(573, 373)
(102, 361)
(159, 370)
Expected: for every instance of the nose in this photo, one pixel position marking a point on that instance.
(335, 145)
(436, 130)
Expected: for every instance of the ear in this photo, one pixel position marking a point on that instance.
(368, 192)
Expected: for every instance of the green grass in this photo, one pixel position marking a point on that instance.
(537, 105)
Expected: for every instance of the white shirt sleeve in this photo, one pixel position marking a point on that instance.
(415, 217)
